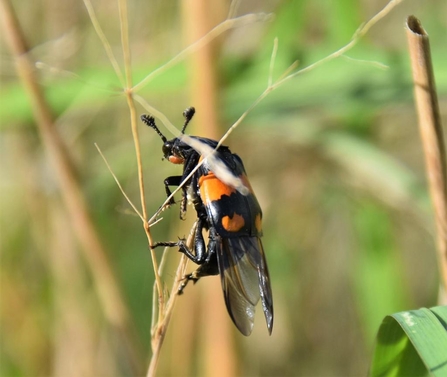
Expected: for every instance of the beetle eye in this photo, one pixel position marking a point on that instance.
(166, 149)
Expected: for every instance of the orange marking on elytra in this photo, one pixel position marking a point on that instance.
(211, 188)
(233, 224)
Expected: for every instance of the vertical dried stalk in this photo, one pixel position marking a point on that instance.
(163, 321)
(431, 134)
(94, 253)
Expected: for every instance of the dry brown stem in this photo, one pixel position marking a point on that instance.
(159, 330)
(430, 128)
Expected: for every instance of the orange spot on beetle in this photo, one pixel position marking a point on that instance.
(233, 224)
(211, 188)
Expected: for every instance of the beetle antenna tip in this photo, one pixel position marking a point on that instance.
(149, 120)
(188, 114)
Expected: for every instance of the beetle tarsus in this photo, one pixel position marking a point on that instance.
(164, 244)
(185, 280)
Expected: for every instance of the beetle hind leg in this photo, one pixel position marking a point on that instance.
(209, 268)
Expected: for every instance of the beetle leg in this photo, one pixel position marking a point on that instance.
(166, 244)
(172, 181)
(200, 253)
(209, 266)
(176, 180)
(186, 279)
(206, 269)
(213, 243)
(183, 205)
(199, 242)
(199, 256)
(190, 164)
(182, 248)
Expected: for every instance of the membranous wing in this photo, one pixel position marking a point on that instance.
(245, 279)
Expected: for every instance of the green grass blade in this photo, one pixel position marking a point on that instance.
(412, 343)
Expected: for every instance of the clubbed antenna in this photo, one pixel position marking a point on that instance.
(188, 114)
(150, 121)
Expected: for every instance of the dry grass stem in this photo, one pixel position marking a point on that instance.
(430, 128)
(62, 73)
(233, 8)
(104, 41)
(159, 331)
(119, 184)
(146, 222)
(272, 62)
(124, 27)
(212, 34)
(361, 31)
(157, 114)
(375, 64)
(127, 85)
(285, 76)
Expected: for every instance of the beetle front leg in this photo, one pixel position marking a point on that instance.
(183, 204)
(176, 180)
(172, 181)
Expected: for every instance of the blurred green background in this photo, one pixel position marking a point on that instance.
(333, 155)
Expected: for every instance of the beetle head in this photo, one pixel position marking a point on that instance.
(173, 150)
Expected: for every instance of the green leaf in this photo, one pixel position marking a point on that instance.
(412, 343)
